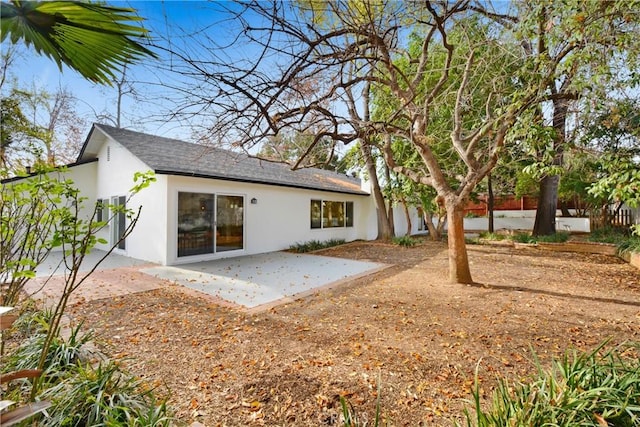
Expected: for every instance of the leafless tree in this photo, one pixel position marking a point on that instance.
(252, 85)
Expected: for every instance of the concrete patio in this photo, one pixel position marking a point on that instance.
(250, 282)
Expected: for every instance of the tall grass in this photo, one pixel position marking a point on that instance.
(600, 388)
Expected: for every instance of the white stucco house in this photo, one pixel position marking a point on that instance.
(210, 203)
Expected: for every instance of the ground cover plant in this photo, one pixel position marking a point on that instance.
(314, 245)
(596, 388)
(84, 388)
(406, 241)
(625, 240)
(403, 335)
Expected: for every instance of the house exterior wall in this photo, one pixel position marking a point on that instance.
(84, 178)
(400, 221)
(115, 171)
(280, 218)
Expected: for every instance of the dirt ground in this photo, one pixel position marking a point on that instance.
(404, 331)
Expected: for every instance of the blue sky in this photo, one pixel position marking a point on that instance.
(165, 19)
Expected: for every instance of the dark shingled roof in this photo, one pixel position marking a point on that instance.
(174, 157)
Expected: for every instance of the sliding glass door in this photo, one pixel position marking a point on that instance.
(209, 223)
(229, 223)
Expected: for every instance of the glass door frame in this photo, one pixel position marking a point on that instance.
(239, 217)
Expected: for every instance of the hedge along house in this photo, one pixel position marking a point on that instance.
(210, 203)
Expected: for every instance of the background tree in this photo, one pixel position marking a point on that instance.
(594, 43)
(124, 87)
(39, 128)
(256, 95)
(290, 149)
(14, 126)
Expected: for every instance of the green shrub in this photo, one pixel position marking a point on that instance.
(406, 241)
(621, 237)
(559, 237)
(103, 396)
(62, 356)
(492, 236)
(315, 245)
(523, 238)
(586, 389)
(608, 235)
(80, 395)
(631, 244)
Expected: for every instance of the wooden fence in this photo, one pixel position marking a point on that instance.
(619, 218)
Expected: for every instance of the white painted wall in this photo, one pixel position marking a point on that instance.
(84, 178)
(280, 218)
(400, 221)
(115, 172)
(524, 220)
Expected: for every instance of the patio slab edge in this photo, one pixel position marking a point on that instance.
(301, 295)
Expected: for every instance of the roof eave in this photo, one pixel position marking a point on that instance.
(261, 182)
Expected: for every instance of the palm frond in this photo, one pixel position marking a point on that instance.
(93, 39)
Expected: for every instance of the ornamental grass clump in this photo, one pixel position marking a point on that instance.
(82, 392)
(104, 395)
(600, 388)
(315, 245)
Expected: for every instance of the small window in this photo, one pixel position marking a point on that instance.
(102, 209)
(349, 210)
(316, 214)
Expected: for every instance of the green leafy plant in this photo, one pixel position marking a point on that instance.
(93, 39)
(581, 389)
(523, 238)
(406, 241)
(492, 236)
(624, 242)
(104, 395)
(559, 237)
(315, 245)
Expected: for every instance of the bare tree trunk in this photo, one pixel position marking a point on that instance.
(545, 223)
(435, 233)
(407, 215)
(390, 219)
(565, 210)
(384, 231)
(490, 203)
(459, 271)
